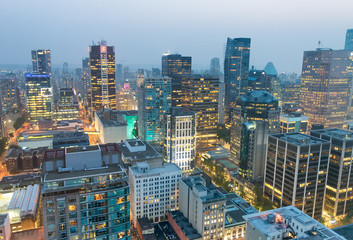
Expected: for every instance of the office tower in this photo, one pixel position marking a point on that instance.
(286, 223)
(41, 61)
(205, 208)
(156, 72)
(65, 68)
(67, 107)
(85, 194)
(258, 80)
(349, 40)
(236, 68)
(325, 84)
(338, 198)
(39, 97)
(140, 77)
(86, 80)
(201, 97)
(275, 81)
(253, 106)
(125, 99)
(294, 122)
(221, 101)
(8, 95)
(175, 64)
(253, 146)
(215, 68)
(4, 133)
(180, 138)
(154, 191)
(102, 64)
(296, 171)
(290, 92)
(154, 101)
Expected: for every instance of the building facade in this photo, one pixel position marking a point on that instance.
(294, 122)
(83, 200)
(8, 93)
(175, 64)
(154, 101)
(349, 40)
(296, 171)
(180, 138)
(39, 97)
(111, 126)
(41, 61)
(102, 65)
(325, 86)
(339, 197)
(201, 96)
(154, 191)
(67, 107)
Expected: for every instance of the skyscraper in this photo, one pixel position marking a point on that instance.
(236, 68)
(102, 64)
(154, 101)
(253, 106)
(215, 68)
(325, 83)
(180, 138)
(258, 80)
(201, 96)
(39, 97)
(296, 171)
(275, 81)
(86, 80)
(175, 64)
(349, 40)
(41, 61)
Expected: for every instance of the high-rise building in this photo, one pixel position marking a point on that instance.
(339, 196)
(236, 68)
(286, 223)
(180, 138)
(67, 107)
(156, 72)
(154, 101)
(8, 95)
(294, 122)
(275, 81)
(125, 99)
(258, 80)
(349, 40)
(39, 97)
(325, 83)
(253, 142)
(175, 64)
(85, 194)
(296, 171)
(205, 208)
(41, 61)
(154, 191)
(102, 64)
(290, 92)
(201, 97)
(86, 80)
(215, 68)
(253, 106)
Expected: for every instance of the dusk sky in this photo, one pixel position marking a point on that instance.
(141, 31)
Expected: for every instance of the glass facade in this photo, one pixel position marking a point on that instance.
(349, 40)
(93, 207)
(325, 83)
(39, 97)
(175, 64)
(103, 87)
(41, 61)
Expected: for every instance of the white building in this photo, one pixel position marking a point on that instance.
(153, 192)
(112, 128)
(286, 223)
(180, 138)
(5, 229)
(203, 207)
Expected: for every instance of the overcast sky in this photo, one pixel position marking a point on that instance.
(141, 30)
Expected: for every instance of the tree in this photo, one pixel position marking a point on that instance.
(3, 143)
(19, 122)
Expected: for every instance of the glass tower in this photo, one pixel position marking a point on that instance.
(325, 83)
(349, 40)
(102, 64)
(41, 61)
(175, 64)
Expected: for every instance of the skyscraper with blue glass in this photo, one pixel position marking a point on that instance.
(349, 40)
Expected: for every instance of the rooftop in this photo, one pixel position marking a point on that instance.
(259, 97)
(111, 118)
(345, 231)
(335, 133)
(33, 234)
(183, 223)
(299, 139)
(127, 149)
(82, 149)
(145, 223)
(167, 167)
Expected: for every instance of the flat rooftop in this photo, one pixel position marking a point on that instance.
(185, 226)
(168, 167)
(335, 133)
(137, 155)
(299, 139)
(236, 208)
(33, 234)
(82, 149)
(53, 176)
(345, 231)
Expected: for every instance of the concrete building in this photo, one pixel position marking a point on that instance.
(133, 151)
(339, 197)
(154, 191)
(296, 171)
(180, 138)
(5, 229)
(18, 160)
(145, 229)
(286, 223)
(111, 126)
(203, 207)
(294, 122)
(85, 194)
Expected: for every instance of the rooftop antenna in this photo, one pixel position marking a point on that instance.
(319, 45)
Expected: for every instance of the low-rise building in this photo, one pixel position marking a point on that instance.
(154, 191)
(286, 223)
(5, 229)
(19, 160)
(182, 227)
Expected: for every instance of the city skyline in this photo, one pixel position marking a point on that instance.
(285, 32)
